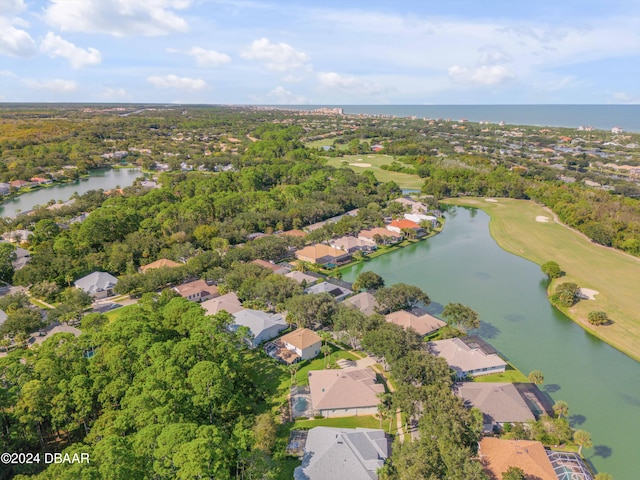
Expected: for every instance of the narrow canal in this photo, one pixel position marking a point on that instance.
(102, 178)
(464, 264)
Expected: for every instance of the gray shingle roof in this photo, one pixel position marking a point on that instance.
(343, 454)
(96, 282)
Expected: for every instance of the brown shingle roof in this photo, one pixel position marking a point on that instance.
(332, 389)
(318, 251)
(423, 324)
(498, 455)
(163, 262)
(301, 338)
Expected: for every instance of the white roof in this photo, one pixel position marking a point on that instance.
(330, 288)
(96, 282)
(259, 322)
(343, 454)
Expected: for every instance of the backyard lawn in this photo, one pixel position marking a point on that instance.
(364, 421)
(511, 375)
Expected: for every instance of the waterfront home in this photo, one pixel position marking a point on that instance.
(97, 284)
(228, 302)
(343, 454)
(5, 189)
(40, 180)
(320, 254)
(497, 455)
(344, 393)
(20, 184)
(277, 269)
(418, 218)
(499, 403)
(336, 291)
(197, 291)
(301, 277)
(363, 301)
(381, 235)
(352, 244)
(399, 225)
(162, 263)
(424, 324)
(303, 342)
(262, 326)
(467, 360)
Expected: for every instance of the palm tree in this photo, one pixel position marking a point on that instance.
(293, 369)
(583, 439)
(326, 350)
(536, 377)
(561, 408)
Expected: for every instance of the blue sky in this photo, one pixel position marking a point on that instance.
(328, 52)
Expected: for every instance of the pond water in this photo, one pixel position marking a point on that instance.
(102, 178)
(464, 264)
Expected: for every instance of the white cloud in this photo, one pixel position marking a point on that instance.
(278, 57)
(57, 85)
(285, 97)
(173, 81)
(14, 41)
(115, 94)
(624, 98)
(118, 17)
(204, 57)
(482, 75)
(348, 83)
(56, 46)
(11, 7)
(7, 73)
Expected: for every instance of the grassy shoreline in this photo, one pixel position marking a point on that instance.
(516, 227)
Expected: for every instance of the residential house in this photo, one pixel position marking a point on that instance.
(337, 292)
(497, 455)
(467, 360)
(500, 403)
(17, 236)
(424, 324)
(301, 277)
(352, 244)
(97, 284)
(22, 258)
(343, 454)
(5, 189)
(323, 255)
(344, 393)
(277, 269)
(294, 233)
(363, 301)
(228, 302)
(262, 325)
(414, 205)
(382, 235)
(162, 263)
(399, 225)
(18, 184)
(304, 342)
(40, 180)
(197, 291)
(419, 218)
(57, 329)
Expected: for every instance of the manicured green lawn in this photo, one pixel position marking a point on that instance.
(613, 274)
(511, 375)
(113, 314)
(373, 163)
(365, 421)
(325, 142)
(38, 303)
(319, 364)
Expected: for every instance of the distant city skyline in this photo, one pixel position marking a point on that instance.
(329, 52)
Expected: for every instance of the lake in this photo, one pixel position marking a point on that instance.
(464, 264)
(102, 178)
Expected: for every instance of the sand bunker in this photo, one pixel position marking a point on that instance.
(359, 164)
(542, 219)
(492, 200)
(588, 294)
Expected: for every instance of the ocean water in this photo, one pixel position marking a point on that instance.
(603, 117)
